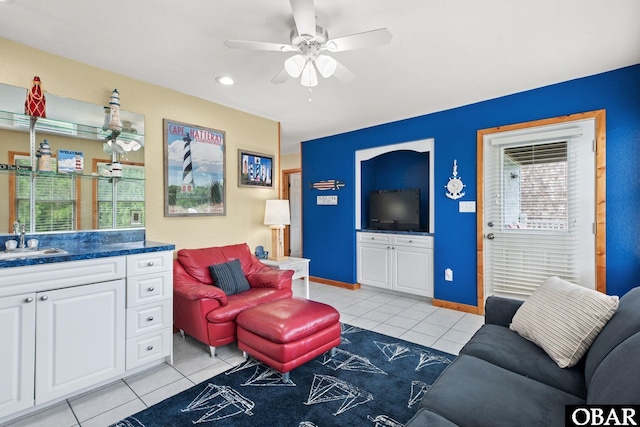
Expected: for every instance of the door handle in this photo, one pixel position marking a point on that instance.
(491, 236)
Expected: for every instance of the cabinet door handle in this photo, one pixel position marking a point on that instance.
(150, 318)
(150, 263)
(150, 348)
(28, 299)
(44, 298)
(151, 289)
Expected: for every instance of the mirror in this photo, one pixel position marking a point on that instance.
(79, 201)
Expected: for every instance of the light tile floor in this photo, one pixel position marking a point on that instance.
(403, 316)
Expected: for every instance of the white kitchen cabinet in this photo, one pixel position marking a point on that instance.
(17, 357)
(72, 325)
(401, 262)
(80, 337)
(149, 308)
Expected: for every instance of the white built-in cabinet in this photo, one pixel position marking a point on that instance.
(17, 358)
(79, 338)
(401, 262)
(72, 325)
(149, 307)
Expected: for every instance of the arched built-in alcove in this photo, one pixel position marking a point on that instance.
(362, 188)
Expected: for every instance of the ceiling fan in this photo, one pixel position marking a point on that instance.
(309, 41)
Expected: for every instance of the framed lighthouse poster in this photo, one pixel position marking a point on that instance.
(255, 169)
(194, 170)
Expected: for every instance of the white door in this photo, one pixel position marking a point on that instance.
(539, 207)
(295, 203)
(18, 338)
(80, 339)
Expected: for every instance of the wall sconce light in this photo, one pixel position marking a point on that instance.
(276, 214)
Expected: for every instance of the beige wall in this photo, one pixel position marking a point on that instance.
(245, 206)
(290, 161)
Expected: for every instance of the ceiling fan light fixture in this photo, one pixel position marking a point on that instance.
(295, 65)
(326, 65)
(331, 46)
(309, 75)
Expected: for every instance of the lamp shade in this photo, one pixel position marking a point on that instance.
(309, 75)
(295, 65)
(326, 65)
(276, 212)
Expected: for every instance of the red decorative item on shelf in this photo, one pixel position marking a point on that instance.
(36, 103)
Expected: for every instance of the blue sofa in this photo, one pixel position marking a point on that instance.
(502, 379)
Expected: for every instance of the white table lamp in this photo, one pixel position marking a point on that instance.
(276, 214)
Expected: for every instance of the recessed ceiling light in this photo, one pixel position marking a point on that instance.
(225, 80)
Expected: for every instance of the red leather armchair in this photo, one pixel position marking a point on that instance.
(204, 311)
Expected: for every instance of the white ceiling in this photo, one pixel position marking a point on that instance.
(444, 53)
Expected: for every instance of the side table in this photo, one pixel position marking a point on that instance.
(300, 267)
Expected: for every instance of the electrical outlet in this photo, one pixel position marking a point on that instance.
(448, 275)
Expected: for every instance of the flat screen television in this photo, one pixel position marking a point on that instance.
(394, 210)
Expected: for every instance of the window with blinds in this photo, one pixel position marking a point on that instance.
(535, 215)
(130, 198)
(55, 199)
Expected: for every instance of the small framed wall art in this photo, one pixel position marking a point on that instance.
(255, 169)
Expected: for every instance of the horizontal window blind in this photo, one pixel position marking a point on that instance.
(534, 217)
(55, 197)
(130, 198)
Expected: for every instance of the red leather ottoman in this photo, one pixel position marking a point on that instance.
(286, 333)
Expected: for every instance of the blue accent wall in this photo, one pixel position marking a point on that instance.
(397, 170)
(329, 231)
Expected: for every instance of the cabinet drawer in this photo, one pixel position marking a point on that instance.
(299, 269)
(148, 348)
(149, 288)
(36, 278)
(415, 241)
(374, 237)
(149, 318)
(152, 262)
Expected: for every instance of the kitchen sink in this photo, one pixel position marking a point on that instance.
(31, 253)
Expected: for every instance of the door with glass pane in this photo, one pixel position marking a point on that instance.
(539, 207)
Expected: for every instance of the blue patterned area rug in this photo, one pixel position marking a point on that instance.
(372, 380)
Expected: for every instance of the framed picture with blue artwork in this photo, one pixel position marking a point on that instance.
(194, 170)
(255, 169)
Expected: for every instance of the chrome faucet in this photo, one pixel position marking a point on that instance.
(19, 229)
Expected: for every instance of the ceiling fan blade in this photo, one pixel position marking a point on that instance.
(281, 77)
(304, 16)
(343, 74)
(360, 40)
(243, 44)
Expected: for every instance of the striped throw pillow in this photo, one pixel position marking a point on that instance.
(229, 277)
(564, 319)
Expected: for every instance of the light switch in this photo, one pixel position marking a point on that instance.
(448, 275)
(466, 206)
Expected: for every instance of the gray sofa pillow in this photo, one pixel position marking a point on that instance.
(229, 277)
